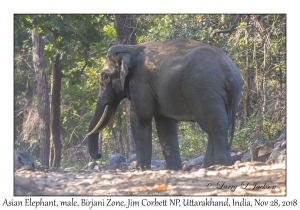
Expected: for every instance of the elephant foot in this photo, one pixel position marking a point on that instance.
(175, 166)
(224, 160)
(173, 163)
(143, 166)
(208, 162)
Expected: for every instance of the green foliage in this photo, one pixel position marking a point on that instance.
(272, 129)
(256, 128)
(73, 164)
(167, 27)
(192, 140)
(16, 146)
(245, 137)
(36, 162)
(79, 98)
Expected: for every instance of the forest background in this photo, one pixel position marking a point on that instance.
(74, 47)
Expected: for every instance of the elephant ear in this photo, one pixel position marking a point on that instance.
(122, 53)
(124, 68)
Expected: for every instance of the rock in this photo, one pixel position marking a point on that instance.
(270, 151)
(131, 159)
(23, 160)
(265, 149)
(184, 160)
(234, 152)
(278, 154)
(193, 162)
(256, 144)
(262, 152)
(132, 165)
(282, 143)
(114, 162)
(163, 166)
(276, 144)
(92, 165)
(246, 156)
(123, 166)
(282, 157)
(236, 157)
(17, 163)
(158, 164)
(281, 137)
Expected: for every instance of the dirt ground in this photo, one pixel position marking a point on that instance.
(253, 178)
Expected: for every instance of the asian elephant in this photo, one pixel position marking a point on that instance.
(177, 80)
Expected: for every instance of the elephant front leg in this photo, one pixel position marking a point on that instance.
(141, 131)
(168, 139)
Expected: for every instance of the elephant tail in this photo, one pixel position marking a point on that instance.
(234, 90)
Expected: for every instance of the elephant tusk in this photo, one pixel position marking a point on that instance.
(98, 126)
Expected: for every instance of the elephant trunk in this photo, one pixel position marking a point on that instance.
(102, 117)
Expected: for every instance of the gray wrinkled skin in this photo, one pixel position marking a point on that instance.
(177, 80)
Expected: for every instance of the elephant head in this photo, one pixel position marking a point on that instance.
(111, 92)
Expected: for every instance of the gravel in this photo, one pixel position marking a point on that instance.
(252, 178)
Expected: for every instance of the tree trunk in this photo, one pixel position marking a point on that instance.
(126, 35)
(120, 139)
(28, 115)
(125, 30)
(264, 96)
(43, 96)
(264, 85)
(247, 88)
(131, 148)
(55, 141)
(100, 142)
(120, 135)
(116, 142)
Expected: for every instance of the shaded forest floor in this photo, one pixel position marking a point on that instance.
(252, 178)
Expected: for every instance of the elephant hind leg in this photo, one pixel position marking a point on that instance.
(168, 139)
(215, 123)
(217, 152)
(209, 159)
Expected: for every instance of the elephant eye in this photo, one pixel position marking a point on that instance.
(105, 78)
